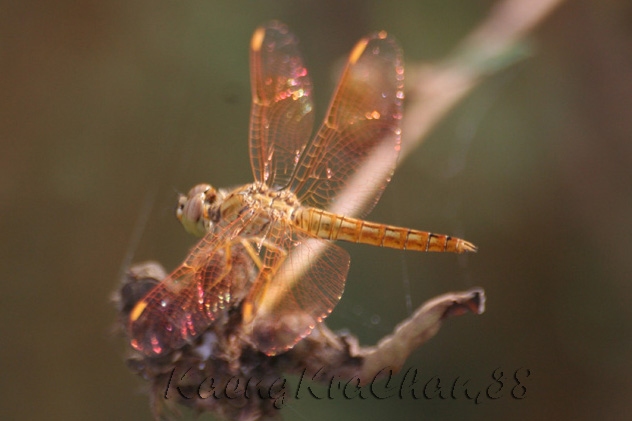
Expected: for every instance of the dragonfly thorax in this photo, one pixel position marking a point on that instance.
(269, 204)
(203, 207)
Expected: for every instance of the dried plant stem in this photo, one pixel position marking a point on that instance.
(436, 89)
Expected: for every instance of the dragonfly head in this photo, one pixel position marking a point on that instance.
(195, 209)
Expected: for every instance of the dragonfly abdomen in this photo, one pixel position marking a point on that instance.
(331, 226)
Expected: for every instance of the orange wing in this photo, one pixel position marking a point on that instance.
(185, 303)
(363, 122)
(281, 118)
(301, 281)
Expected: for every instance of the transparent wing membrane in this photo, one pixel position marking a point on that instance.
(362, 124)
(281, 118)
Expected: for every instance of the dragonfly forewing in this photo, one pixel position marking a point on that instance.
(282, 117)
(362, 127)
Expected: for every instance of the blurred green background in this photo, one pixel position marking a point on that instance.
(108, 108)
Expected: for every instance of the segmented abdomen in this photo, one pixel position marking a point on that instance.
(330, 226)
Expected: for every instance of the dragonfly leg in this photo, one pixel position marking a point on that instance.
(266, 273)
(254, 255)
(258, 244)
(228, 265)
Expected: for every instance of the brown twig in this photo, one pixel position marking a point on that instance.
(221, 373)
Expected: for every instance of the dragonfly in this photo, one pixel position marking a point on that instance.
(267, 248)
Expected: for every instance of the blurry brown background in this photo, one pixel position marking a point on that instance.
(107, 108)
